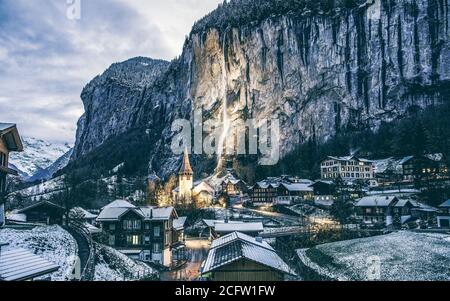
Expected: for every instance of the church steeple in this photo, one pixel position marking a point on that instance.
(186, 168)
(185, 179)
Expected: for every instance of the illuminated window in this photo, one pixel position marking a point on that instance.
(133, 240)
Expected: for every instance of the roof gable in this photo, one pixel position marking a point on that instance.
(10, 134)
(236, 246)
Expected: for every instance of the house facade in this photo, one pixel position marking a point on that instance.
(233, 187)
(284, 190)
(392, 211)
(443, 218)
(427, 167)
(348, 168)
(145, 233)
(10, 141)
(44, 212)
(324, 193)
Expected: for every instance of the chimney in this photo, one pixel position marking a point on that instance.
(259, 239)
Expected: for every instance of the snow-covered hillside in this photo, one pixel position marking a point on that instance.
(38, 160)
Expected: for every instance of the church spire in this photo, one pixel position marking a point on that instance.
(186, 166)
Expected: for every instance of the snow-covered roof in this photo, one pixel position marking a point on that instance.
(6, 126)
(211, 222)
(112, 213)
(21, 265)
(38, 204)
(155, 213)
(445, 204)
(86, 214)
(435, 157)
(235, 246)
(328, 182)
(178, 223)
(404, 202)
(92, 229)
(241, 227)
(378, 201)
(405, 159)
(394, 192)
(147, 213)
(16, 217)
(202, 186)
(423, 207)
(298, 187)
(119, 204)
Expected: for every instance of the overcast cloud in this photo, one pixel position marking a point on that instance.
(46, 58)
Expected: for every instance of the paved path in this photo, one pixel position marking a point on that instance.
(197, 250)
(83, 246)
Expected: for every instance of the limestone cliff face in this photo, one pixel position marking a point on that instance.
(112, 100)
(318, 72)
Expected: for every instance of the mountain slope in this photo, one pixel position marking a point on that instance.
(47, 173)
(38, 155)
(319, 67)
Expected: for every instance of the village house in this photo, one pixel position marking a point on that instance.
(10, 141)
(239, 257)
(291, 193)
(232, 186)
(388, 210)
(178, 239)
(406, 170)
(443, 218)
(189, 191)
(324, 193)
(43, 212)
(427, 167)
(348, 168)
(144, 233)
(284, 190)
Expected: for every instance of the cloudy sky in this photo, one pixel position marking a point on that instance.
(48, 54)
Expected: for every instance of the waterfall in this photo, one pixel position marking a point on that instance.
(225, 118)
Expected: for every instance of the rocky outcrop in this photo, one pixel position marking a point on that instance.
(318, 71)
(112, 100)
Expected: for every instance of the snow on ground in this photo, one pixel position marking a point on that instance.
(51, 242)
(310, 211)
(282, 229)
(111, 265)
(403, 256)
(42, 191)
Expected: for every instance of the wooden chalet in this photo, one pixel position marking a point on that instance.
(239, 257)
(144, 233)
(443, 218)
(44, 212)
(10, 141)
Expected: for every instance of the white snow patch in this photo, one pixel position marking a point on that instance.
(51, 242)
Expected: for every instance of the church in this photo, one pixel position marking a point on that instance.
(189, 191)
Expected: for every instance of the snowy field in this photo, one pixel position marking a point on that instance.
(52, 243)
(111, 265)
(402, 256)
